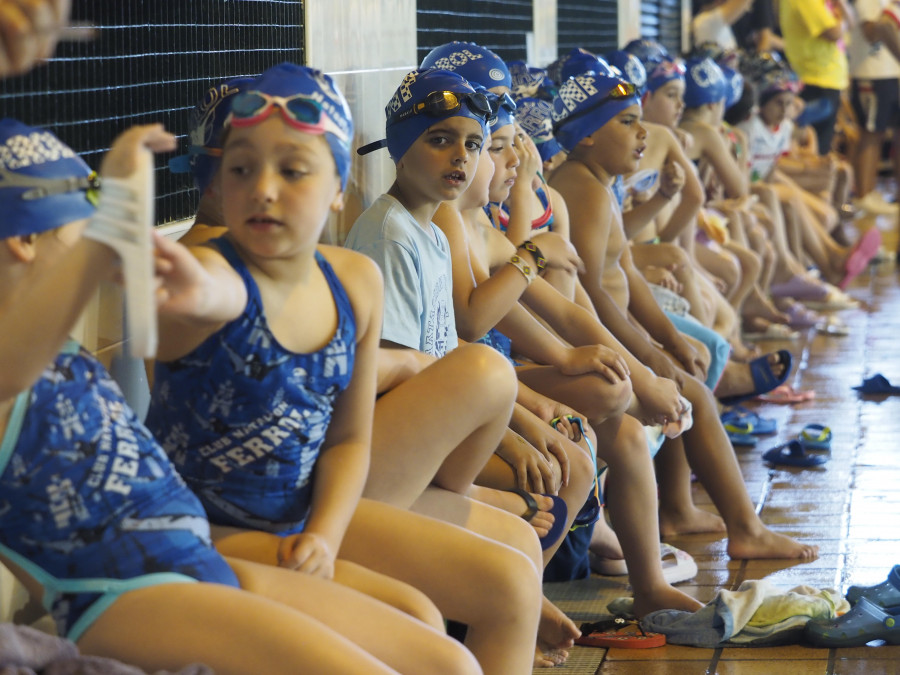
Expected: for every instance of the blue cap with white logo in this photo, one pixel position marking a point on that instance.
(475, 63)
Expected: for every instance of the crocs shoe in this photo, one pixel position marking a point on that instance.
(124, 222)
(886, 594)
(862, 624)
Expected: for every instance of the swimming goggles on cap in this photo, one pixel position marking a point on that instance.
(667, 69)
(299, 111)
(444, 103)
(620, 92)
(501, 101)
(39, 188)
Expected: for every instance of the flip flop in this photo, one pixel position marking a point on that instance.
(739, 439)
(815, 437)
(832, 326)
(746, 418)
(773, 331)
(877, 384)
(799, 288)
(785, 394)
(862, 624)
(800, 316)
(677, 565)
(862, 252)
(559, 510)
(835, 299)
(886, 594)
(618, 632)
(764, 379)
(792, 453)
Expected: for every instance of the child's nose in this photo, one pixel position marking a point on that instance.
(264, 187)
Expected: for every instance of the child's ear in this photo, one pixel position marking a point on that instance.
(23, 248)
(337, 203)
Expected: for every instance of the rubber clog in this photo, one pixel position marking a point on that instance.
(618, 632)
(877, 384)
(764, 379)
(886, 594)
(742, 417)
(862, 624)
(815, 437)
(792, 453)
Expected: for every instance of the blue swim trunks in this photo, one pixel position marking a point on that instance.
(90, 506)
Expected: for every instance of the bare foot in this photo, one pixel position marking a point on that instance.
(512, 503)
(737, 379)
(693, 521)
(606, 553)
(741, 352)
(555, 630)
(766, 544)
(549, 658)
(759, 306)
(666, 597)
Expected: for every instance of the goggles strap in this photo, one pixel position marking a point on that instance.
(47, 187)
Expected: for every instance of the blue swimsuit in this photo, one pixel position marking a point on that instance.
(90, 507)
(244, 419)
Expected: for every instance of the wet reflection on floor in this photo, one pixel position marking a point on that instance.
(850, 508)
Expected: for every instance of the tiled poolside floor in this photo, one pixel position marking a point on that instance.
(850, 508)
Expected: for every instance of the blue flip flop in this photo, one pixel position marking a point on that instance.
(737, 438)
(559, 510)
(744, 418)
(815, 437)
(764, 379)
(877, 384)
(793, 453)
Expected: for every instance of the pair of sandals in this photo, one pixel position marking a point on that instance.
(798, 453)
(875, 616)
(744, 426)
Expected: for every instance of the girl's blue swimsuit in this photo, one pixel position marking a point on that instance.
(90, 506)
(244, 419)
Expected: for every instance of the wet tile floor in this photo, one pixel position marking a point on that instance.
(850, 507)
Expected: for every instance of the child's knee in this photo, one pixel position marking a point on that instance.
(492, 372)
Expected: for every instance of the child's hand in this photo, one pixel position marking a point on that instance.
(29, 29)
(548, 410)
(179, 277)
(690, 358)
(532, 464)
(121, 160)
(604, 361)
(559, 252)
(663, 276)
(660, 364)
(660, 402)
(671, 179)
(308, 553)
(529, 159)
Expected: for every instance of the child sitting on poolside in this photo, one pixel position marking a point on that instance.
(291, 414)
(101, 527)
(598, 120)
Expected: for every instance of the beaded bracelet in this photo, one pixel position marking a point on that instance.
(539, 258)
(526, 269)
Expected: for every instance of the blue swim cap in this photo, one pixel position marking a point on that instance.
(648, 51)
(474, 63)
(704, 82)
(583, 105)
(629, 66)
(43, 183)
(660, 73)
(734, 83)
(526, 80)
(287, 80)
(205, 132)
(535, 115)
(579, 61)
(403, 128)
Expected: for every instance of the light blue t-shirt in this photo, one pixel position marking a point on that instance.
(418, 280)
